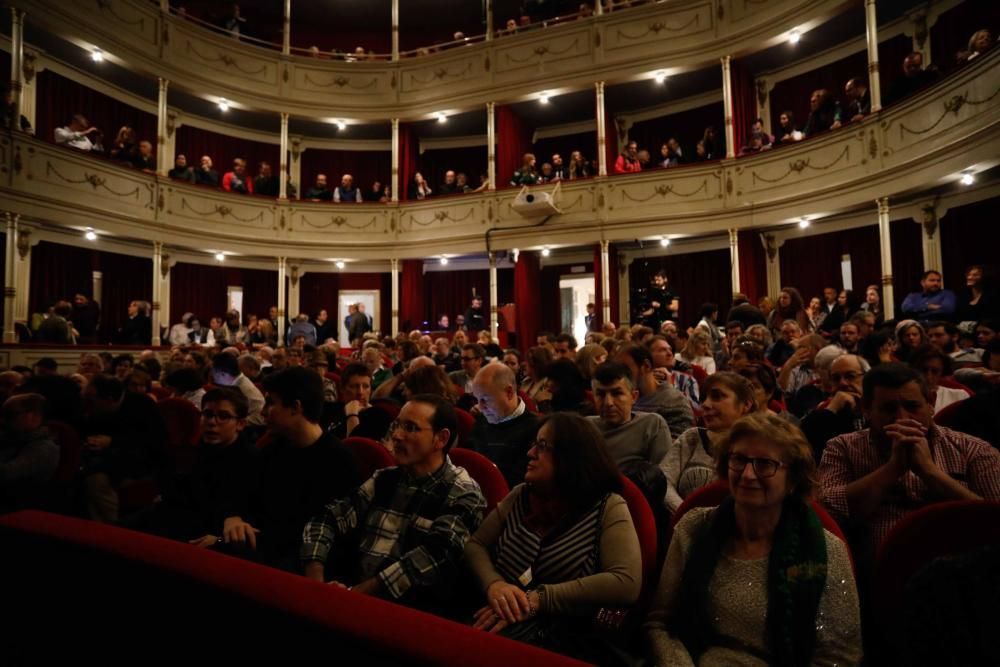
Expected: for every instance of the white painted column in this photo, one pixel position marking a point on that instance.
(598, 7)
(885, 243)
(10, 278)
(727, 103)
(605, 283)
(494, 319)
(154, 314)
(772, 249)
(96, 285)
(602, 157)
(165, 6)
(294, 280)
(165, 292)
(164, 158)
(17, 61)
(624, 261)
(734, 258)
(395, 295)
(22, 274)
(282, 263)
(29, 88)
(489, 24)
(395, 30)
(286, 29)
(871, 31)
(491, 145)
(930, 226)
(394, 185)
(283, 160)
(295, 173)
(764, 108)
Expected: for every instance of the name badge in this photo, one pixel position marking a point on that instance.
(525, 578)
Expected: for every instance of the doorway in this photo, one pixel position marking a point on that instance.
(575, 293)
(370, 299)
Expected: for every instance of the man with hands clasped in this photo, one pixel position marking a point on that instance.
(902, 462)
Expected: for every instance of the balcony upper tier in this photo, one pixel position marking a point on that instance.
(678, 36)
(923, 142)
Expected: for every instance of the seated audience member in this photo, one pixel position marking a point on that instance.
(204, 174)
(914, 78)
(445, 356)
(547, 174)
(566, 390)
(865, 321)
(55, 329)
(418, 188)
(559, 171)
(200, 335)
(756, 145)
(980, 42)
(79, 134)
(186, 383)
(138, 328)
(932, 302)
(849, 337)
(579, 167)
(250, 367)
(536, 361)
(698, 350)
(980, 415)
(944, 336)
(637, 441)
(628, 162)
(660, 398)
(824, 113)
(450, 185)
(671, 153)
(404, 530)
(139, 382)
(238, 180)
(745, 312)
(347, 191)
(303, 327)
(318, 362)
(302, 470)
(559, 546)
(910, 335)
(181, 170)
(690, 464)
(589, 358)
(764, 383)
(226, 373)
(90, 365)
(224, 476)
(564, 347)
(266, 183)
(28, 454)
(86, 317)
(45, 367)
(934, 365)
(727, 596)
(143, 158)
(395, 386)
(799, 372)
(473, 357)
(528, 173)
(178, 333)
(375, 194)
(353, 415)
(232, 332)
(784, 346)
(859, 101)
(842, 412)
(665, 369)
(504, 428)
(371, 357)
(902, 462)
(123, 437)
(977, 301)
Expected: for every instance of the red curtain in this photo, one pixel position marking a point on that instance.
(513, 139)
(320, 290)
(564, 145)
(687, 127)
(471, 160)
(528, 299)
(194, 142)
(58, 98)
(202, 289)
(969, 235)
(610, 143)
(907, 258)
(744, 103)
(614, 270)
(753, 264)
(811, 263)
(696, 278)
(411, 295)
(449, 292)
(408, 149)
(124, 279)
(366, 167)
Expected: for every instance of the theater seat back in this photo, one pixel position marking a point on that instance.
(465, 423)
(645, 528)
(369, 456)
(70, 447)
(485, 472)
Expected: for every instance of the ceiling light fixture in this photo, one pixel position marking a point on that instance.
(544, 98)
(803, 223)
(91, 235)
(661, 77)
(968, 179)
(341, 125)
(664, 242)
(794, 37)
(97, 56)
(340, 264)
(223, 104)
(546, 252)
(442, 117)
(443, 260)
(220, 257)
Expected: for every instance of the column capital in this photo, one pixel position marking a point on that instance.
(726, 60)
(599, 85)
(883, 205)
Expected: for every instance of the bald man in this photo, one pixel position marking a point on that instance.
(841, 413)
(504, 428)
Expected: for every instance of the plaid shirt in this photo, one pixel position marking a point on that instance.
(412, 536)
(801, 376)
(848, 458)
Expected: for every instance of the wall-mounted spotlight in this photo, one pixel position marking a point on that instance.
(97, 56)
(664, 242)
(794, 37)
(968, 179)
(340, 264)
(803, 223)
(91, 235)
(220, 257)
(223, 104)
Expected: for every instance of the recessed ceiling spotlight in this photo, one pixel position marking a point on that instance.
(661, 77)
(664, 242)
(794, 37)
(220, 257)
(803, 223)
(97, 56)
(546, 252)
(443, 260)
(91, 235)
(341, 125)
(442, 117)
(223, 104)
(340, 264)
(968, 179)
(544, 98)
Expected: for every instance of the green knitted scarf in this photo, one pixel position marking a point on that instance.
(796, 577)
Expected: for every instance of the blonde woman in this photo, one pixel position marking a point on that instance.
(698, 351)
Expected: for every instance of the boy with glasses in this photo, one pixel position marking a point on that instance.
(409, 522)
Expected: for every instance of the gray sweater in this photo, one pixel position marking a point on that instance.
(670, 404)
(689, 466)
(645, 437)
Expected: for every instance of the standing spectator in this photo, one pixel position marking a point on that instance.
(932, 302)
(237, 180)
(859, 101)
(79, 134)
(418, 188)
(914, 78)
(124, 148)
(205, 175)
(824, 113)
(527, 174)
(181, 170)
(786, 132)
(579, 167)
(843, 308)
(347, 191)
(86, 317)
(325, 327)
(357, 324)
(266, 183)
(234, 22)
(302, 327)
(873, 304)
(790, 307)
(138, 328)
(977, 301)
(475, 320)
(319, 191)
(628, 161)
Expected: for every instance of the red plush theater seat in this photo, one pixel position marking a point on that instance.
(485, 472)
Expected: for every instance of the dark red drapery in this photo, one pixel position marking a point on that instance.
(470, 160)
(513, 140)
(408, 149)
(58, 98)
(321, 290)
(907, 258)
(744, 103)
(411, 295)
(527, 297)
(365, 166)
(566, 144)
(194, 142)
(969, 235)
(696, 278)
(610, 143)
(687, 127)
(811, 263)
(753, 264)
(202, 289)
(953, 28)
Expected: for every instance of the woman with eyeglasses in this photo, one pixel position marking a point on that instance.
(558, 547)
(690, 464)
(757, 580)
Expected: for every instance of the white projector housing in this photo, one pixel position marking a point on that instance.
(536, 204)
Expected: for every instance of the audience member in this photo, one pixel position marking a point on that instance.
(628, 161)
(566, 389)
(932, 302)
(944, 336)
(347, 191)
(527, 174)
(914, 78)
(786, 132)
(226, 373)
(138, 328)
(55, 329)
(934, 365)
(237, 180)
(977, 300)
(205, 174)
(418, 188)
(980, 42)
(536, 362)
(842, 412)
(266, 183)
(660, 398)
(28, 455)
(504, 428)
(698, 351)
(824, 113)
(564, 347)
(79, 134)
(859, 101)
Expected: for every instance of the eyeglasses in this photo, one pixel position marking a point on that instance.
(469, 358)
(761, 467)
(542, 446)
(209, 415)
(849, 376)
(408, 427)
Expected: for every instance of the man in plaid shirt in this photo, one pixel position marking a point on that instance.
(406, 526)
(874, 477)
